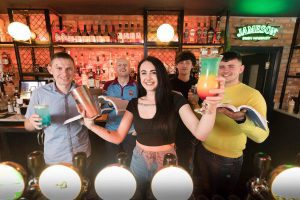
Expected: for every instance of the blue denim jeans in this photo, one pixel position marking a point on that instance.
(144, 164)
(215, 174)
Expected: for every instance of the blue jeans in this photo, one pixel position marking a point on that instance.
(144, 164)
(215, 174)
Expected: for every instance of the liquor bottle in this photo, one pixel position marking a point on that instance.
(85, 35)
(192, 35)
(99, 36)
(63, 35)
(126, 35)
(199, 32)
(104, 69)
(98, 74)
(218, 32)
(16, 93)
(92, 34)
(131, 33)
(78, 36)
(71, 35)
(186, 33)
(210, 33)
(138, 34)
(204, 34)
(106, 36)
(113, 34)
(91, 79)
(120, 34)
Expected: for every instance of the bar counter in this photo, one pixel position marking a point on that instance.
(16, 143)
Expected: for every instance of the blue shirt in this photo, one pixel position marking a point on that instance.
(114, 89)
(61, 141)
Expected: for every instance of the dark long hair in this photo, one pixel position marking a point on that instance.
(163, 96)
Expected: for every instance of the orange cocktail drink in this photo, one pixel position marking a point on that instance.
(208, 76)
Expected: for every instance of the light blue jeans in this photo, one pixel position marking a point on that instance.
(144, 164)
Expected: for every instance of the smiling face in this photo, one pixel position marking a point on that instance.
(122, 68)
(230, 71)
(148, 76)
(63, 72)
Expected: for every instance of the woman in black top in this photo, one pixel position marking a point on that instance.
(155, 114)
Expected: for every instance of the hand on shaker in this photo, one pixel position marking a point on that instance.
(215, 100)
(36, 121)
(88, 122)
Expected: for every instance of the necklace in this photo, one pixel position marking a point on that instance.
(143, 104)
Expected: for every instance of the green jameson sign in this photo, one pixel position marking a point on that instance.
(256, 32)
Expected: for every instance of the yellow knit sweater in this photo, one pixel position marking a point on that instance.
(229, 138)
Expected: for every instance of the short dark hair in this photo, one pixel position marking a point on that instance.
(185, 55)
(231, 55)
(63, 55)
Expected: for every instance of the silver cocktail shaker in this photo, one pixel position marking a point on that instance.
(85, 101)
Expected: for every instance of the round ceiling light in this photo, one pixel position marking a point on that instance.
(165, 33)
(19, 31)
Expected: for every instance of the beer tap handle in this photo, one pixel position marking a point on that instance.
(169, 159)
(122, 158)
(36, 163)
(79, 161)
(262, 163)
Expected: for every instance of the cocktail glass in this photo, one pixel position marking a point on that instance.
(207, 79)
(43, 111)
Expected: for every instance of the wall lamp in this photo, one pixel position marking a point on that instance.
(20, 32)
(165, 32)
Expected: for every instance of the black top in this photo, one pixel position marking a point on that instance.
(183, 135)
(147, 132)
(181, 86)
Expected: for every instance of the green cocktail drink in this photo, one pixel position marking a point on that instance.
(43, 112)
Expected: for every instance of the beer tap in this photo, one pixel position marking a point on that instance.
(258, 188)
(122, 158)
(80, 162)
(35, 164)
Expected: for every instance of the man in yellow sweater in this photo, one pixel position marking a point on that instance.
(219, 158)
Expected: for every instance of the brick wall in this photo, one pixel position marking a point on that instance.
(284, 40)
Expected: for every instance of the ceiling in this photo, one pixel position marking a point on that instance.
(276, 8)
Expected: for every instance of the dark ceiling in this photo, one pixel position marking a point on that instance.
(278, 8)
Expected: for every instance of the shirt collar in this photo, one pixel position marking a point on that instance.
(130, 82)
(54, 87)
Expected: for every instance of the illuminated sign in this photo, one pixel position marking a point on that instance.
(257, 32)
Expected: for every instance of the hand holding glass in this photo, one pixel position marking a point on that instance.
(43, 112)
(207, 79)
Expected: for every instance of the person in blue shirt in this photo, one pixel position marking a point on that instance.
(125, 88)
(61, 142)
